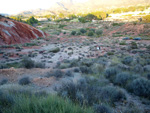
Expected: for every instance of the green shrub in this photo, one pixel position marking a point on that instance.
(134, 45)
(55, 50)
(99, 32)
(111, 94)
(110, 73)
(90, 33)
(82, 20)
(122, 79)
(6, 100)
(73, 33)
(27, 63)
(140, 87)
(127, 60)
(82, 30)
(56, 73)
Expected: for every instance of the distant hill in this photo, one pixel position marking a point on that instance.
(71, 6)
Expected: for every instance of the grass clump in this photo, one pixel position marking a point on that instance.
(44, 104)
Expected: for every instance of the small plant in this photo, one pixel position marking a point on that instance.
(27, 63)
(99, 32)
(73, 33)
(82, 30)
(110, 73)
(3, 81)
(110, 53)
(134, 45)
(127, 60)
(24, 81)
(90, 33)
(56, 73)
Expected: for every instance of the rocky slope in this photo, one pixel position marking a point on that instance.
(13, 32)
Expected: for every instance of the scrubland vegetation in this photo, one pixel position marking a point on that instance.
(81, 67)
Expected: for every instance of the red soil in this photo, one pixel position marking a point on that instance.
(13, 32)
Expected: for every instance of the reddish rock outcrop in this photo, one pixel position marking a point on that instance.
(14, 32)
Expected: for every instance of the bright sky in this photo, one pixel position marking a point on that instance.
(16, 6)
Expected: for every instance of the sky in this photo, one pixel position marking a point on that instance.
(17, 6)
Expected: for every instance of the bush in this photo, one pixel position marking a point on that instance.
(122, 79)
(56, 73)
(90, 33)
(82, 20)
(39, 65)
(6, 100)
(127, 60)
(76, 70)
(134, 45)
(140, 87)
(85, 69)
(24, 81)
(3, 81)
(55, 50)
(99, 32)
(110, 94)
(82, 30)
(110, 73)
(27, 63)
(102, 109)
(73, 33)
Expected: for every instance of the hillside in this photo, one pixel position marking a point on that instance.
(13, 32)
(72, 6)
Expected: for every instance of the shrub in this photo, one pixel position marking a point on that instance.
(93, 30)
(99, 32)
(90, 33)
(56, 73)
(27, 63)
(127, 60)
(122, 79)
(110, 73)
(68, 73)
(82, 30)
(3, 81)
(76, 70)
(134, 45)
(24, 81)
(55, 50)
(140, 87)
(85, 69)
(112, 94)
(73, 33)
(39, 65)
(82, 20)
(6, 100)
(102, 109)
(148, 76)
